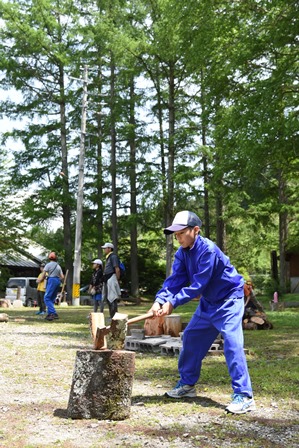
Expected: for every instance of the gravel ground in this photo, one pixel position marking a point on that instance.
(35, 378)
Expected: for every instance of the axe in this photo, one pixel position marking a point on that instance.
(61, 295)
(116, 331)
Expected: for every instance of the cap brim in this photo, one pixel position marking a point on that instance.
(174, 228)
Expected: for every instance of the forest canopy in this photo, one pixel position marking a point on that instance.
(190, 105)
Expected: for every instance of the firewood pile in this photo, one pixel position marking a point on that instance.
(254, 317)
(256, 320)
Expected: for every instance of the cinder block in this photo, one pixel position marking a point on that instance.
(177, 350)
(166, 350)
(151, 345)
(172, 347)
(132, 344)
(214, 347)
(137, 333)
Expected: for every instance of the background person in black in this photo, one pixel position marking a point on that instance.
(96, 285)
(111, 288)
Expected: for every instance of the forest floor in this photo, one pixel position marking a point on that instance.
(37, 361)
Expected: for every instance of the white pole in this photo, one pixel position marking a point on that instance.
(79, 219)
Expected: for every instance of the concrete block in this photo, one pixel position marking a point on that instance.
(137, 333)
(132, 344)
(172, 347)
(151, 345)
(214, 347)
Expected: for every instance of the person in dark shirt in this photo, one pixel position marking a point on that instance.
(96, 285)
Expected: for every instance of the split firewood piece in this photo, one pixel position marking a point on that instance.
(257, 320)
(250, 326)
(118, 332)
(96, 320)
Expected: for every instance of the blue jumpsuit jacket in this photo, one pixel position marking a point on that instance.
(202, 270)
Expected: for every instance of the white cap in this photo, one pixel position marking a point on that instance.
(182, 220)
(108, 245)
(97, 261)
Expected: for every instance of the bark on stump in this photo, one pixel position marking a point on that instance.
(102, 385)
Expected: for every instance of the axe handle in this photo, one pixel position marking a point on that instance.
(141, 317)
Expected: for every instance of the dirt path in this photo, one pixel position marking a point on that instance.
(35, 376)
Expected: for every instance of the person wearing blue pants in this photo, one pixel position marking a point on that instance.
(201, 269)
(53, 273)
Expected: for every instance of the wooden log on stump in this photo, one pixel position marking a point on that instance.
(102, 385)
(118, 332)
(96, 320)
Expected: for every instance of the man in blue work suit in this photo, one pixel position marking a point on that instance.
(201, 269)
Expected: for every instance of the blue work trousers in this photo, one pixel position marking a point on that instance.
(207, 322)
(52, 289)
(98, 302)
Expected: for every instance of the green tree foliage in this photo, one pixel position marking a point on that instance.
(37, 45)
(192, 105)
(12, 227)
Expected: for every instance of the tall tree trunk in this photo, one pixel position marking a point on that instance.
(133, 195)
(283, 231)
(204, 160)
(162, 148)
(99, 182)
(113, 154)
(220, 227)
(167, 216)
(171, 156)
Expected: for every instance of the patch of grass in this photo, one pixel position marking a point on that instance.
(272, 361)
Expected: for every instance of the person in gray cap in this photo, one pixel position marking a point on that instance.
(201, 269)
(111, 288)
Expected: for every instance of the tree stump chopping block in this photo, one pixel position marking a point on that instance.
(154, 327)
(102, 385)
(172, 325)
